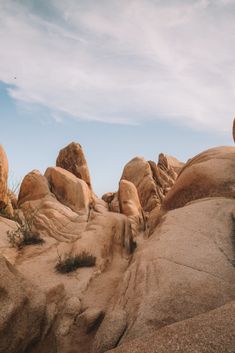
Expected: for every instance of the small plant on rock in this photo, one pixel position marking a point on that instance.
(71, 262)
(24, 234)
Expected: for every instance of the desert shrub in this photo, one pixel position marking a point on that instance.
(4, 213)
(71, 263)
(24, 234)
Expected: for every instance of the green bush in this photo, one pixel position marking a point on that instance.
(71, 263)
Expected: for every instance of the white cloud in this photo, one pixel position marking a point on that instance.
(123, 61)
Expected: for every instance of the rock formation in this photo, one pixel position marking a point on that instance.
(3, 178)
(72, 159)
(69, 190)
(209, 174)
(23, 309)
(162, 277)
(5, 202)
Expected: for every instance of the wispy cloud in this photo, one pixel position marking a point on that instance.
(122, 61)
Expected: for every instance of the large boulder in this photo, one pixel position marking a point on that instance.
(49, 216)
(212, 332)
(152, 180)
(209, 174)
(22, 310)
(138, 171)
(234, 129)
(3, 178)
(33, 187)
(72, 159)
(68, 189)
(129, 199)
(184, 269)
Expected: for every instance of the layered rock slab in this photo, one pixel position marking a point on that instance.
(184, 269)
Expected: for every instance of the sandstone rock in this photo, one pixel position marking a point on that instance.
(138, 172)
(212, 332)
(68, 189)
(106, 235)
(51, 218)
(108, 197)
(184, 269)
(22, 310)
(209, 174)
(13, 199)
(72, 159)
(3, 178)
(152, 180)
(114, 326)
(129, 199)
(234, 129)
(33, 187)
(114, 205)
(174, 163)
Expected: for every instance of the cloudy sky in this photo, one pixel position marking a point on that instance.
(122, 77)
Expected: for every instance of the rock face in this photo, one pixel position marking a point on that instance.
(209, 174)
(206, 333)
(184, 269)
(152, 180)
(163, 279)
(129, 199)
(234, 129)
(33, 187)
(22, 310)
(3, 178)
(72, 159)
(69, 190)
(138, 171)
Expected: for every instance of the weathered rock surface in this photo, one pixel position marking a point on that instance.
(211, 332)
(138, 171)
(72, 159)
(111, 198)
(68, 189)
(175, 293)
(129, 199)
(184, 269)
(233, 130)
(33, 187)
(22, 310)
(209, 174)
(3, 178)
(152, 180)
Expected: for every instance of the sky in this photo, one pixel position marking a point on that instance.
(123, 78)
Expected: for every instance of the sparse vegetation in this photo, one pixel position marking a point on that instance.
(24, 234)
(71, 263)
(4, 213)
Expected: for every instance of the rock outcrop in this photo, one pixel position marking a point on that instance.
(211, 332)
(5, 202)
(184, 269)
(152, 180)
(72, 159)
(162, 277)
(23, 310)
(68, 189)
(129, 199)
(3, 178)
(33, 187)
(209, 174)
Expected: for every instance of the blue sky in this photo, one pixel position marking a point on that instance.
(121, 78)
